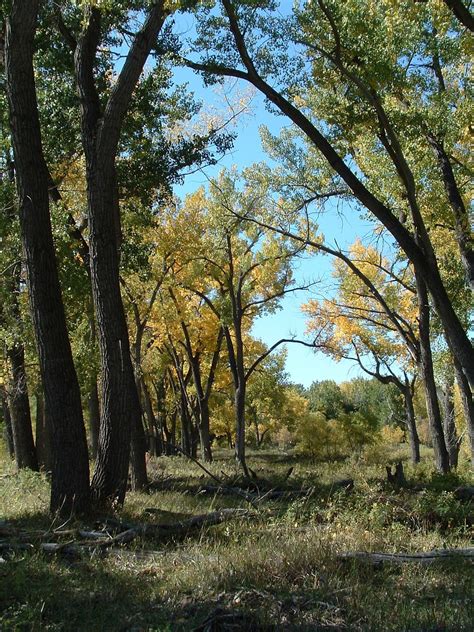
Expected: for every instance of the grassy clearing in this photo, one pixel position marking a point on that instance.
(277, 570)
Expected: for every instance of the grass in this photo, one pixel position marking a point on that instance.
(278, 570)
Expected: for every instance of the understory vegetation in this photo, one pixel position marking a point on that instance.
(279, 566)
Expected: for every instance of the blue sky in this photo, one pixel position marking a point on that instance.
(303, 365)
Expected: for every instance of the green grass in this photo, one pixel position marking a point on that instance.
(279, 568)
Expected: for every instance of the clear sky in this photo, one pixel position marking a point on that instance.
(303, 365)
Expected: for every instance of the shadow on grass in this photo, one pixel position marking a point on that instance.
(90, 595)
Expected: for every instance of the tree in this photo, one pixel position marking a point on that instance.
(374, 320)
(268, 399)
(352, 65)
(326, 397)
(113, 156)
(70, 468)
(238, 271)
(15, 388)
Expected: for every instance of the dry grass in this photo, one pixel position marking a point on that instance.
(277, 570)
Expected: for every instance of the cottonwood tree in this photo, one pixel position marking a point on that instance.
(365, 67)
(239, 272)
(375, 320)
(93, 33)
(15, 386)
(70, 468)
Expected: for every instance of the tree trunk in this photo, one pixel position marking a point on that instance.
(139, 477)
(101, 127)
(449, 422)
(70, 467)
(427, 374)
(257, 430)
(462, 224)
(239, 403)
(204, 433)
(120, 407)
(467, 404)
(186, 439)
(43, 439)
(157, 448)
(170, 434)
(411, 425)
(25, 451)
(8, 432)
(93, 406)
(462, 13)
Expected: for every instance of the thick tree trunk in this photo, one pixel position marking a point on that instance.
(25, 451)
(70, 467)
(411, 425)
(449, 423)
(120, 407)
(236, 361)
(101, 127)
(427, 374)
(43, 439)
(7, 420)
(467, 404)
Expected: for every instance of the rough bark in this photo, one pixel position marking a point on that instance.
(467, 404)
(156, 440)
(139, 477)
(239, 403)
(8, 433)
(43, 439)
(93, 407)
(25, 451)
(70, 472)
(101, 127)
(236, 361)
(427, 373)
(411, 424)
(186, 433)
(449, 421)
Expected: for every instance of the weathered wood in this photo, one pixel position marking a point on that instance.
(398, 477)
(273, 494)
(426, 557)
(100, 541)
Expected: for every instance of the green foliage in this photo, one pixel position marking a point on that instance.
(326, 397)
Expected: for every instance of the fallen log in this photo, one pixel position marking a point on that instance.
(100, 541)
(427, 557)
(273, 494)
(191, 524)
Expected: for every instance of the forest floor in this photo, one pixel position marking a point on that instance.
(278, 566)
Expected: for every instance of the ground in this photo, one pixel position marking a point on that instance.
(278, 567)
